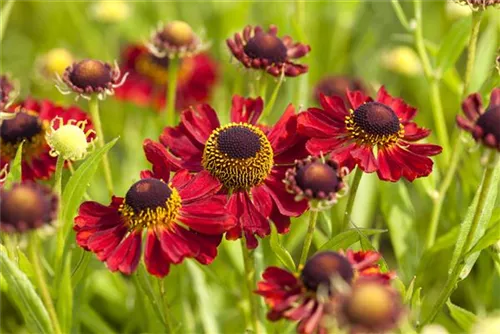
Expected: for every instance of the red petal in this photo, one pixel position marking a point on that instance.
(402, 110)
(176, 245)
(246, 110)
(280, 276)
(317, 146)
(334, 106)
(414, 133)
(104, 242)
(156, 154)
(127, 255)
(200, 122)
(473, 107)
(201, 186)
(281, 221)
(495, 97)
(357, 98)
(284, 201)
(389, 167)
(424, 149)
(183, 150)
(316, 123)
(208, 216)
(155, 259)
(365, 158)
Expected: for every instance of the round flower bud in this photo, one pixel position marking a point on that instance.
(69, 141)
(402, 60)
(110, 11)
(54, 62)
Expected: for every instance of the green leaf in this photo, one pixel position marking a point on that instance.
(409, 291)
(347, 238)
(142, 279)
(282, 254)
(399, 215)
(465, 319)
(94, 321)
(453, 44)
(206, 311)
(485, 56)
(491, 237)
(15, 169)
(416, 303)
(64, 304)
(22, 292)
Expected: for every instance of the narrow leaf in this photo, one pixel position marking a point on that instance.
(491, 237)
(64, 304)
(22, 292)
(485, 56)
(453, 44)
(15, 169)
(465, 319)
(282, 254)
(347, 238)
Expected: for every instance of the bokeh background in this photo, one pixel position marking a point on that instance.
(362, 39)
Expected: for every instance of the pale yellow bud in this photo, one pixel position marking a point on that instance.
(110, 11)
(402, 60)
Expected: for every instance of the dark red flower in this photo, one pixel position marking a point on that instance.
(384, 126)
(317, 180)
(182, 217)
(91, 76)
(258, 49)
(249, 160)
(337, 85)
(304, 297)
(26, 206)
(31, 122)
(146, 84)
(483, 124)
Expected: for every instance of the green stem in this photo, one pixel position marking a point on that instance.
(269, 105)
(400, 14)
(440, 196)
(353, 189)
(58, 175)
(313, 217)
(39, 276)
(96, 119)
(437, 107)
(249, 264)
(454, 277)
(4, 17)
(458, 148)
(173, 68)
(166, 308)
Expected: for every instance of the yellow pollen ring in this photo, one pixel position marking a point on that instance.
(362, 137)
(31, 147)
(238, 173)
(161, 216)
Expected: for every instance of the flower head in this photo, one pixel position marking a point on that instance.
(110, 11)
(31, 124)
(175, 39)
(258, 49)
(147, 83)
(375, 135)
(483, 124)
(89, 77)
(248, 159)
(480, 4)
(54, 63)
(370, 307)
(316, 180)
(182, 216)
(338, 86)
(306, 297)
(26, 206)
(70, 140)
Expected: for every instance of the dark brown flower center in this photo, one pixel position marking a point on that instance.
(266, 46)
(91, 73)
(324, 267)
(318, 177)
(24, 206)
(238, 142)
(376, 119)
(239, 155)
(23, 126)
(489, 122)
(148, 194)
(338, 85)
(178, 33)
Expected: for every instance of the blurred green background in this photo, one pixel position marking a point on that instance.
(356, 38)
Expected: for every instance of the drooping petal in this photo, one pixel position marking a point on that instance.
(200, 122)
(473, 107)
(365, 158)
(155, 259)
(208, 216)
(201, 186)
(284, 200)
(156, 154)
(126, 256)
(315, 122)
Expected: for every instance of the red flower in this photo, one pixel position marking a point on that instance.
(249, 160)
(483, 124)
(31, 122)
(257, 49)
(305, 298)
(182, 216)
(147, 80)
(351, 136)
